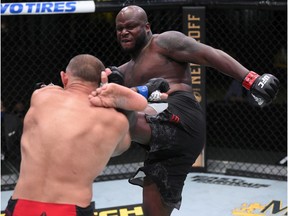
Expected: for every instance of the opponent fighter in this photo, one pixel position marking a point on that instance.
(66, 142)
(176, 135)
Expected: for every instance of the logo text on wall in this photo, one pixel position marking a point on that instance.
(131, 210)
(226, 181)
(35, 8)
(194, 31)
(274, 208)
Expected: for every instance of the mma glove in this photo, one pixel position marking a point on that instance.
(263, 88)
(39, 85)
(116, 76)
(153, 88)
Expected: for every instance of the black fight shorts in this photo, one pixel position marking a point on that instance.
(178, 137)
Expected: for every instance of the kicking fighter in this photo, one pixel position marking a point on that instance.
(176, 135)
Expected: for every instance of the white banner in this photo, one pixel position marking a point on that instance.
(35, 8)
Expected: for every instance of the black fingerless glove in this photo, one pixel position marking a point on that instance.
(116, 76)
(263, 88)
(152, 85)
(39, 85)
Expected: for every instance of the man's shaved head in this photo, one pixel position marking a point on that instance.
(133, 11)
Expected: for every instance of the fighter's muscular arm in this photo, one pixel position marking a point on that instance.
(125, 141)
(179, 47)
(186, 49)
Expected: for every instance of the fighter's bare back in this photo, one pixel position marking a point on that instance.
(63, 171)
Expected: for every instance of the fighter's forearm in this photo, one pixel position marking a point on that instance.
(226, 64)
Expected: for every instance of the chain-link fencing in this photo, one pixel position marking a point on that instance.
(242, 139)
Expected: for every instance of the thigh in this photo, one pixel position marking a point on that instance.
(141, 132)
(153, 204)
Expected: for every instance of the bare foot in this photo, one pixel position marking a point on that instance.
(104, 96)
(117, 96)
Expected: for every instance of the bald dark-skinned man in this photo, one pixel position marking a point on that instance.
(175, 135)
(67, 142)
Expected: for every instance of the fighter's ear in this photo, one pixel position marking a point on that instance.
(64, 78)
(147, 26)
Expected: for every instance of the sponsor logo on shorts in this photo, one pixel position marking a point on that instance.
(274, 208)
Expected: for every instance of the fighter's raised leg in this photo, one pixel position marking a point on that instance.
(117, 96)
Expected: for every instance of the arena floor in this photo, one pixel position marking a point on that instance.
(204, 195)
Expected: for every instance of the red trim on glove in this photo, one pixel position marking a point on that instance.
(249, 79)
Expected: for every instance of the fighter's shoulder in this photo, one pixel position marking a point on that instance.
(122, 68)
(169, 35)
(47, 90)
(170, 39)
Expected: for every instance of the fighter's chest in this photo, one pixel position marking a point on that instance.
(145, 67)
